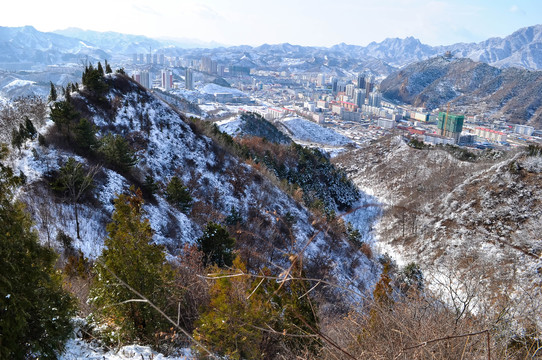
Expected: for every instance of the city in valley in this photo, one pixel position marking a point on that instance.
(302, 103)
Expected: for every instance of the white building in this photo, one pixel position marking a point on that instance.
(166, 79)
(189, 79)
(491, 135)
(523, 129)
(386, 123)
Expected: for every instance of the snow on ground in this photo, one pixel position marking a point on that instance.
(212, 89)
(79, 349)
(231, 126)
(309, 131)
(18, 83)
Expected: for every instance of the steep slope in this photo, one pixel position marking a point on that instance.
(473, 227)
(273, 223)
(474, 87)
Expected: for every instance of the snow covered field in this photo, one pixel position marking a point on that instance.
(307, 131)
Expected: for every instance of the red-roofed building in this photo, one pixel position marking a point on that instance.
(490, 134)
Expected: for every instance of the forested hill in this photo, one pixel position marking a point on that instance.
(116, 165)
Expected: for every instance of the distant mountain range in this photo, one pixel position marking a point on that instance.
(26, 45)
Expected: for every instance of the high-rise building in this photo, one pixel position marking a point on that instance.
(334, 85)
(368, 85)
(166, 79)
(359, 97)
(189, 80)
(149, 58)
(320, 80)
(350, 90)
(361, 81)
(162, 59)
(206, 64)
(146, 79)
(155, 58)
(221, 70)
(450, 125)
(135, 59)
(141, 58)
(375, 99)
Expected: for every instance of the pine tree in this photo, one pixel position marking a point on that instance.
(64, 115)
(16, 139)
(85, 136)
(117, 152)
(217, 245)
(228, 324)
(35, 312)
(100, 69)
(129, 254)
(29, 128)
(240, 306)
(52, 93)
(178, 195)
(108, 69)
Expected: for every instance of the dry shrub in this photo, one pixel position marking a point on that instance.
(366, 250)
(191, 285)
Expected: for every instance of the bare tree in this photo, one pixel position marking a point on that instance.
(75, 180)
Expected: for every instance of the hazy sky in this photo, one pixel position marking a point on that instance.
(303, 22)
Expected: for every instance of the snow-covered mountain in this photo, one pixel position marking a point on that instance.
(170, 145)
(114, 42)
(522, 49)
(471, 87)
(26, 45)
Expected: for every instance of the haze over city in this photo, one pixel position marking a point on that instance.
(316, 23)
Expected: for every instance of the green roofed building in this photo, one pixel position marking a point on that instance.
(450, 125)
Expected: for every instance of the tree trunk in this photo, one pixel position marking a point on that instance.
(76, 219)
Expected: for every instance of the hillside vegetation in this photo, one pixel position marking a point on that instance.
(472, 226)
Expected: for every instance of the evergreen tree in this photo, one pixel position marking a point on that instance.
(93, 80)
(240, 306)
(100, 69)
(85, 136)
(117, 152)
(150, 185)
(63, 115)
(52, 93)
(227, 326)
(108, 69)
(129, 254)
(16, 139)
(217, 245)
(35, 311)
(29, 129)
(178, 195)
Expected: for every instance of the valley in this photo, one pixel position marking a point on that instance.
(278, 201)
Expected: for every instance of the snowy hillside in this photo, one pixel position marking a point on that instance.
(472, 226)
(167, 146)
(305, 131)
